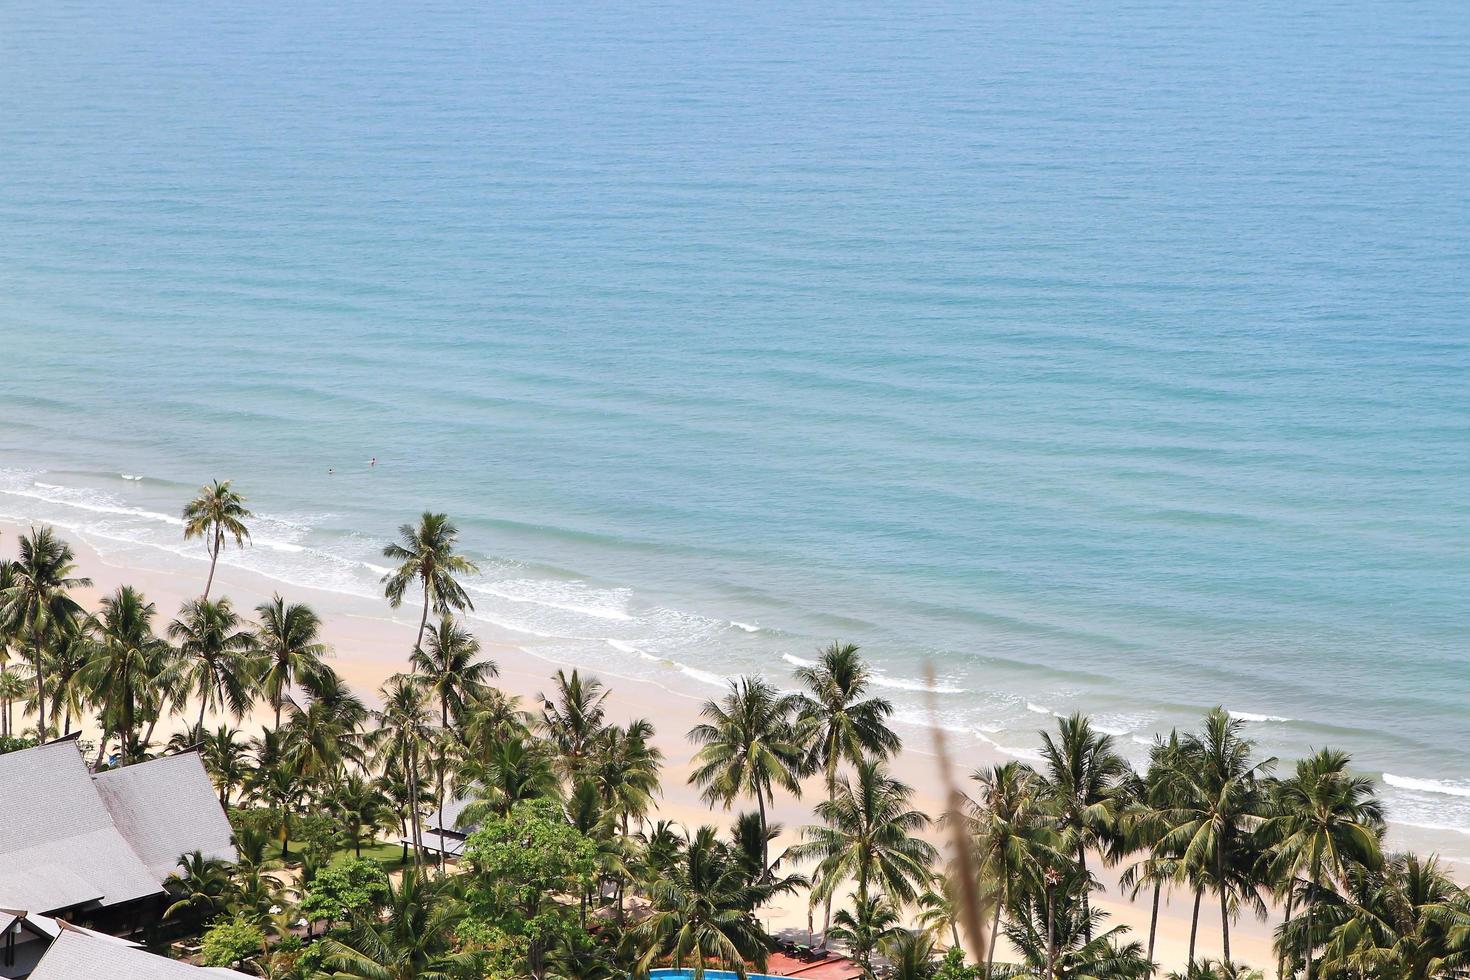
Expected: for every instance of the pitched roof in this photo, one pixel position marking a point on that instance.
(166, 807)
(68, 837)
(56, 834)
(79, 955)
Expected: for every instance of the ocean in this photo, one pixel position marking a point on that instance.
(1109, 358)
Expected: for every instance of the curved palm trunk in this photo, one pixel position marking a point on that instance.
(418, 644)
(219, 540)
(1153, 922)
(1194, 923)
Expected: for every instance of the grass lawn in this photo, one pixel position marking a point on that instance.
(388, 856)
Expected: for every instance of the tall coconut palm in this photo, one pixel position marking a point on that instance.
(701, 914)
(503, 773)
(38, 601)
(1082, 771)
(325, 732)
(218, 656)
(842, 723)
(1144, 824)
(124, 655)
(1006, 825)
(405, 734)
(625, 769)
(227, 761)
(1326, 821)
(288, 639)
(1216, 815)
(1407, 921)
(426, 558)
(358, 804)
(867, 836)
(838, 721)
(67, 653)
(748, 746)
(573, 718)
(455, 677)
(216, 513)
(869, 925)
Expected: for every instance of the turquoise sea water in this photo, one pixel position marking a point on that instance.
(1112, 357)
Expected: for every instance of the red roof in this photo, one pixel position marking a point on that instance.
(834, 967)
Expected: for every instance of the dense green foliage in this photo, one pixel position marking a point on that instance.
(566, 872)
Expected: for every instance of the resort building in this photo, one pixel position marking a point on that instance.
(78, 847)
(441, 831)
(80, 954)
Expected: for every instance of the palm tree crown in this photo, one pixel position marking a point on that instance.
(217, 512)
(287, 638)
(426, 557)
(37, 601)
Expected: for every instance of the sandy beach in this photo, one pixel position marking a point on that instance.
(370, 642)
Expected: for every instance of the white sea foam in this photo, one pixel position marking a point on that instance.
(1030, 755)
(747, 627)
(703, 676)
(797, 661)
(1252, 716)
(908, 684)
(130, 477)
(1040, 709)
(1437, 786)
(622, 646)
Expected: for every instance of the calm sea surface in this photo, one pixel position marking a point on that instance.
(1112, 356)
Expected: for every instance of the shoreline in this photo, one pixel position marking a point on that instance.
(370, 643)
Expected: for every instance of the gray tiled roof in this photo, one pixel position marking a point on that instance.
(56, 834)
(448, 818)
(166, 807)
(77, 955)
(68, 837)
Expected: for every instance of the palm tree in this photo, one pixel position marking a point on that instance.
(838, 721)
(1144, 823)
(504, 773)
(1327, 820)
(748, 746)
(910, 954)
(287, 638)
(1407, 921)
(413, 940)
(625, 768)
(701, 913)
(454, 676)
(1082, 770)
(359, 805)
(404, 734)
(123, 662)
(202, 886)
(38, 601)
(867, 835)
(573, 718)
(426, 557)
(216, 512)
(218, 656)
(865, 928)
(226, 759)
(842, 724)
(325, 731)
(1051, 930)
(1220, 797)
(1005, 823)
(66, 655)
